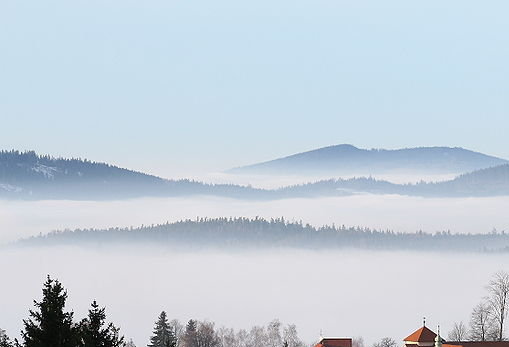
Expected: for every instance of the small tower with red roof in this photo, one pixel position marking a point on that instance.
(423, 337)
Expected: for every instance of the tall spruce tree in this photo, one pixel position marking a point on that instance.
(191, 335)
(49, 325)
(94, 331)
(163, 335)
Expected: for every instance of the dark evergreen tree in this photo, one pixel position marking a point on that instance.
(190, 335)
(163, 336)
(49, 325)
(94, 331)
(4, 339)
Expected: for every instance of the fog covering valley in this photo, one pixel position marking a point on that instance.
(368, 294)
(360, 290)
(343, 292)
(393, 212)
(338, 165)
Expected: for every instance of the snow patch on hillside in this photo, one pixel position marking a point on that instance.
(10, 188)
(47, 171)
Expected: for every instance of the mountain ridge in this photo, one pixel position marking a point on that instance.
(28, 176)
(346, 158)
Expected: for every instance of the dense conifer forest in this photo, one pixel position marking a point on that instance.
(26, 175)
(486, 182)
(259, 233)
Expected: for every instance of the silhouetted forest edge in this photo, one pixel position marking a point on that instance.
(259, 233)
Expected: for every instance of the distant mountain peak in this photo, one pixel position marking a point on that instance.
(347, 159)
(343, 146)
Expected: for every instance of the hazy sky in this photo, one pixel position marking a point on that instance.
(172, 87)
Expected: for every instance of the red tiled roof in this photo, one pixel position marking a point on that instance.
(422, 335)
(335, 342)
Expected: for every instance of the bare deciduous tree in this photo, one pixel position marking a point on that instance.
(257, 337)
(274, 338)
(499, 301)
(291, 337)
(242, 337)
(227, 337)
(386, 342)
(458, 332)
(178, 330)
(481, 324)
(206, 335)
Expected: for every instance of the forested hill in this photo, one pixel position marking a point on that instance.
(481, 183)
(26, 175)
(348, 159)
(260, 233)
(485, 182)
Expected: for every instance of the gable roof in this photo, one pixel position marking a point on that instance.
(334, 342)
(422, 335)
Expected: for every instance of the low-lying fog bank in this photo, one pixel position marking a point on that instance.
(368, 294)
(399, 213)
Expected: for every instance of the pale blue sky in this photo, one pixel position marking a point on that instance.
(172, 87)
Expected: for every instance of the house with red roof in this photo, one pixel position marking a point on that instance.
(424, 337)
(334, 342)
